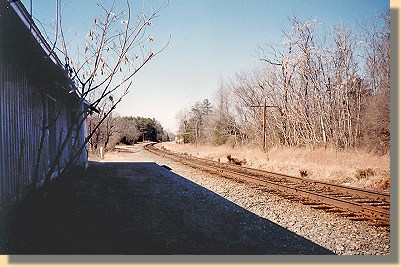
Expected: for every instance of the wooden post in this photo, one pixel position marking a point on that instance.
(265, 106)
(264, 124)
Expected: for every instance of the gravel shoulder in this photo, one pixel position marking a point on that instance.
(136, 203)
(138, 207)
(337, 234)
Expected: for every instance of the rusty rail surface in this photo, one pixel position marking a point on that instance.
(354, 203)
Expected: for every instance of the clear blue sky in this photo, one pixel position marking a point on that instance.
(210, 41)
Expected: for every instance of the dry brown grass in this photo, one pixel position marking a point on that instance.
(348, 167)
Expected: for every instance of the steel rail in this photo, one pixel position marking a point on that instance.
(352, 191)
(357, 202)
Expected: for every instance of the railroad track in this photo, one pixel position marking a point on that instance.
(355, 203)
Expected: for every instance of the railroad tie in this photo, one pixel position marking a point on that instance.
(359, 218)
(348, 214)
(380, 223)
(336, 210)
(310, 203)
(322, 207)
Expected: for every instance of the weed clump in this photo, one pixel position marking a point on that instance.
(235, 160)
(304, 173)
(364, 173)
(383, 184)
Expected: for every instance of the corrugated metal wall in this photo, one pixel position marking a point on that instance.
(21, 113)
(28, 79)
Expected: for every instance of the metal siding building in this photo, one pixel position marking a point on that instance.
(33, 86)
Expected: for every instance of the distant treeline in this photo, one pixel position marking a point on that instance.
(126, 130)
(330, 89)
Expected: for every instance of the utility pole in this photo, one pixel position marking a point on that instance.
(264, 120)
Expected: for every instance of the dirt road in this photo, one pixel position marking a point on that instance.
(138, 207)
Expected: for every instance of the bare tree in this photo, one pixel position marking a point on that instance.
(126, 131)
(183, 120)
(330, 89)
(116, 48)
(318, 87)
(376, 110)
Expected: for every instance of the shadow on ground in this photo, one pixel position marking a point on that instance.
(139, 209)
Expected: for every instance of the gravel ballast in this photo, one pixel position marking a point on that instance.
(340, 235)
